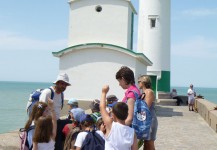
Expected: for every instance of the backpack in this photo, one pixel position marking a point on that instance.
(71, 138)
(24, 143)
(93, 141)
(142, 118)
(34, 98)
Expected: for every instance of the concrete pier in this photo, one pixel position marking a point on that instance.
(181, 129)
(178, 129)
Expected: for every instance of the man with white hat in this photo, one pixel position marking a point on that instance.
(61, 83)
(56, 94)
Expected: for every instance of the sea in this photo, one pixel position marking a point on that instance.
(14, 97)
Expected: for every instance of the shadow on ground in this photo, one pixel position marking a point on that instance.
(166, 112)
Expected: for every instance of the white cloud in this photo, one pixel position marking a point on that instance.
(14, 41)
(200, 12)
(196, 47)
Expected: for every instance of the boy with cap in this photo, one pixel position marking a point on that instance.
(118, 135)
(86, 123)
(111, 101)
(94, 106)
(75, 115)
(72, 103)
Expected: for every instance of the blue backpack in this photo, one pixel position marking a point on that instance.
(34, 98)
(142, 118)
(93, 141)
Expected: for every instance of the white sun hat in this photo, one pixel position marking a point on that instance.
(62, 77)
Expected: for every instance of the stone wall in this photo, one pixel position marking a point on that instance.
(206, 110)
(82, 104)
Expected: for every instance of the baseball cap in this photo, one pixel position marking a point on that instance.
(62, 77)
(112, 104)
(86, 117)
(96, 116)
(73, 101)
(77, 113)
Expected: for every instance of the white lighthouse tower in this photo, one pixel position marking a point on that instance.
(154, 39)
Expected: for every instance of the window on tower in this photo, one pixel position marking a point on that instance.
(153, 20)
(98, 8)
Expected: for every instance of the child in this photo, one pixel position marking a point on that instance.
(72, 104)
(45, 131)
(38, 110)
(101, 128)
(75, 114)
(86, 123)
(118, 136)
(94, 105)
(111, 101)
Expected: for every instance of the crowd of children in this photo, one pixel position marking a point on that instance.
(107, 127)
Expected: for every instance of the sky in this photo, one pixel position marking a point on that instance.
(31, 31)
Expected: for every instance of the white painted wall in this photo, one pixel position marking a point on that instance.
(155, 42)
(112, 25)
(90, 69)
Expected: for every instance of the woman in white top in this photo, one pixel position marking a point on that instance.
(45, 130)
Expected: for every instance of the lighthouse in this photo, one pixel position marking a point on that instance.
(154, 39)
(100, 41)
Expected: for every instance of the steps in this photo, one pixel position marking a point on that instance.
(166, 102)
(163, 95)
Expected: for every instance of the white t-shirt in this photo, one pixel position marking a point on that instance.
(82, 135)
(191, 92)
(120, 137)
(101, 134)
(46, 146)
(57, 100)
(80, 139)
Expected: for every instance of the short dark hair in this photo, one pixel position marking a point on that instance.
(120, 110)
(126, 73)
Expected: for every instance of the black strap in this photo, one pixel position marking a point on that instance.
(142, 96)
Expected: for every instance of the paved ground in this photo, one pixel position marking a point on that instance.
(181, 129)
(178, 129)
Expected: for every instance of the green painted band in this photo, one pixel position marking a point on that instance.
(164, 83)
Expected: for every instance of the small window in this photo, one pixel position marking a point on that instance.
(98, 8)
(153, 22)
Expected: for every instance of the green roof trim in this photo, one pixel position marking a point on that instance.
(140, 56)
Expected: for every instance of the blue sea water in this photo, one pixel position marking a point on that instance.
(13, 100)
(209, 94)
(14, 96)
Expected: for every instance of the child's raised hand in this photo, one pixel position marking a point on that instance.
(105, 89)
